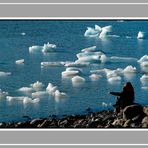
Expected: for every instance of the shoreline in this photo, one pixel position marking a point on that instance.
(136, 118)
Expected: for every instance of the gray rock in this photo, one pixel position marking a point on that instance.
(145, 122)
(132, 111)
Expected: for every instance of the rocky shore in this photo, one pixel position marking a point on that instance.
(134, 116)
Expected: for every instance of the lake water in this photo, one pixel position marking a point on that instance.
(16, 36)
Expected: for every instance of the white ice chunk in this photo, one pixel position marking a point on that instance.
(91, 32)
(51, 64)
(27, 100)
(144, 78)
(37, 85)
(104, 31)
(3, 94)
(70, 73)
(51, 88)
(143, 59)
(89, 49)
(40, 94)
(122, 59)
(3, 74)
(26, 89)
(115, 78)
(142, 35)
(49, 47)
(77, 80)
(76, 64)
(95, 77)
(35, 48)
(18, 98)
(23, 33)
(60, 95)
(20, 61)
(144, 87)
(129, 69)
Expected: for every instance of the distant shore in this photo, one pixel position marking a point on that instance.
(101, 119)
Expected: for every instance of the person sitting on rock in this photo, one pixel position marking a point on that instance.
(125, 98)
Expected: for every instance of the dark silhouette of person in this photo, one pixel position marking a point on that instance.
(125, 98)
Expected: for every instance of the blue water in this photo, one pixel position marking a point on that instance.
(70, 40)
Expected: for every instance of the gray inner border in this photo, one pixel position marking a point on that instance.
(73, 10)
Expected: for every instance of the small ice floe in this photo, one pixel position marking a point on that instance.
(104, 104)
(105, 31)
(52, 64)
(18, 98)
(145, 87)
(113, 73)
(20, 61)
(3, 94)
(51, 89)
(89, 49)
(142, 35)
(26, 89)
(77, 64)
(114, 79)
(143, 59)
(37, 86)
(49, 48)
(144, 78)
(3, 74)
(59, 94)
(35, 49)
(40, 94)
(97, 31)
(85, 54)
(95, 77)
(77, 80)
(27, 100)
(129, 69)
(128, 37)
(23, 33)
(122, 59)
(71, 73)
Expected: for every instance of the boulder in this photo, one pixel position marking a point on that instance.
(144, 122)
(132, 111)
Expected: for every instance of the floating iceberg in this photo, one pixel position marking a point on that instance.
(144, 87)
(60, 95)
(3, 94)
(77, 80)
(20, 61)
(104, 31)
(70, 73)
(27, 100)
(76, 64)
(143, 59)
(144, 78)
(97, 31)
(26, 89)
(95, 77)
(52, 64)
(23, 33)
(51, 88)
(114, 79)
(49, 47)
(40, 94)
(37, 85)
(45, 48)
(122, 59)
(142, 35)
(129, 69)
(3, 74)
(18, 98)
(89, 49)
(35, 49)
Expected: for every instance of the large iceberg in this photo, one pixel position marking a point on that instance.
(97, 31)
